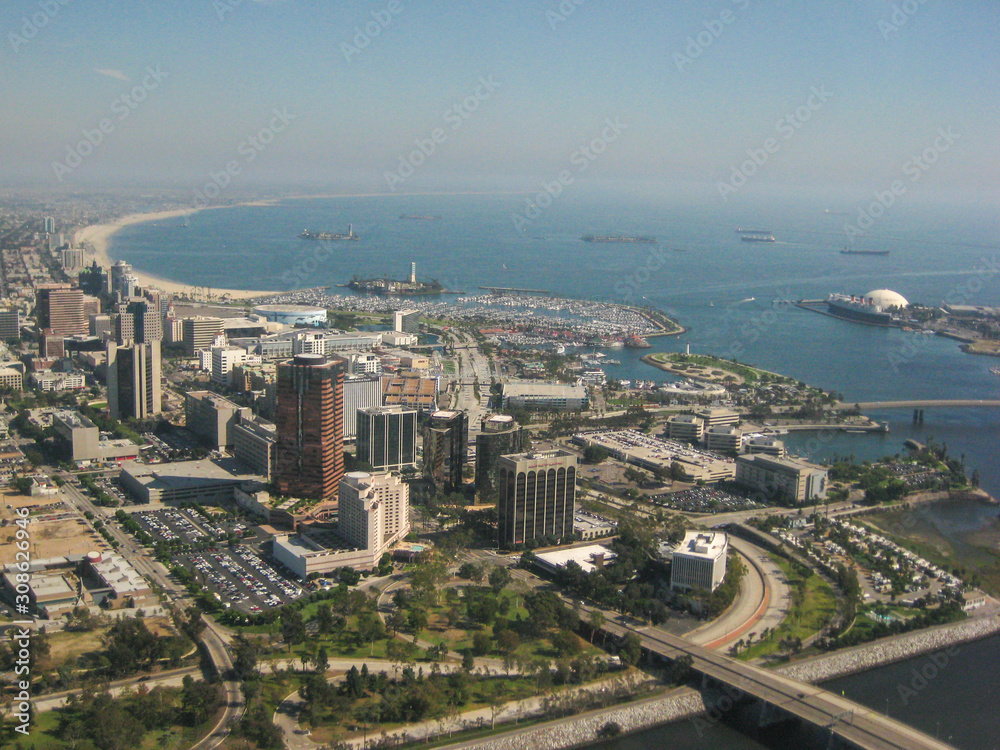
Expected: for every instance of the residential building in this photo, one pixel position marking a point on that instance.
(387, 437)
(536, 496)
(700, 561)
(364, 363)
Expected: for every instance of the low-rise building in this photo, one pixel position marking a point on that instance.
(782, 478)
(209, 482)
(686, 427)
(545, 396)
(724, 438)
(700, 561)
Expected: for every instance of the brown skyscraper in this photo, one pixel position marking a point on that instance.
(61, 309)
(309, 455)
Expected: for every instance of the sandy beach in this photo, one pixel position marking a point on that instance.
(96, 238)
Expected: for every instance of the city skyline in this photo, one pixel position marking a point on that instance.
(388, 97)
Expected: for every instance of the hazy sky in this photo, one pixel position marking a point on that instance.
(823, 92)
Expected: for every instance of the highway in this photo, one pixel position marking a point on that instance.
(844, 718)
(232, 696)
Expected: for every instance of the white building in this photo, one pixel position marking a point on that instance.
(374, 515)
(406, 321)
(360, 392)
(781, 478)
(543, 395)
(224, 358)
(686, 427)
(364, 363)
(700, 561)
(724, 438)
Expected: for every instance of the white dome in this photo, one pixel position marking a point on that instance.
(886, 298)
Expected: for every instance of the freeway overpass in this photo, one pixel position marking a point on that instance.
(926, 404)
(847, 723)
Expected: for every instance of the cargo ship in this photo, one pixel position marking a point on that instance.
(755, 235)
(416, 217)
(615, 238)
(849, 251)
(307, 235)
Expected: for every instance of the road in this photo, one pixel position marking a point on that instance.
(473, 367)
(233, 704)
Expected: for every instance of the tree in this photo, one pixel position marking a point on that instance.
(246, 653)
(293, 627)
(324, 618)
(631, 649)
(321, 661)
(370, 629)
(594, 454)
(481, 643)
(596, 622)
(566, 643)
(499, 578)
(417, 620)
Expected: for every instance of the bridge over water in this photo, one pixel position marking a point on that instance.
(847, 723)
(927, 404)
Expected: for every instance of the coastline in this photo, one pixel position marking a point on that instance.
(96, 238)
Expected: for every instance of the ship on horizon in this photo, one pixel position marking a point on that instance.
(755, 235)
(418, 217)
(307, 235)
(616, 238)
(851, 251)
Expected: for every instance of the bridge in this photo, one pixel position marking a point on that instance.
(946, 403)
(850, 724)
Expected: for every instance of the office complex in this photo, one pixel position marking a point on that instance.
(212, 417)
(700, 561)
(536, 496)
(309, 455)
(500, 436)
(781, 478)
(546, 396)
(138, 320)
(360, 392)
(253, 444)
(60, 309)
(133, 380)
(387, 437)
(406, 321)
(373, 516)
(199, 333)
(446, 442)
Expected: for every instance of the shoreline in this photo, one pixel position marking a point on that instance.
(96, 239)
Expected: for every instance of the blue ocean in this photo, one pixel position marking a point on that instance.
(730, 295)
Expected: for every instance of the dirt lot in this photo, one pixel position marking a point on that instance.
(63, 533)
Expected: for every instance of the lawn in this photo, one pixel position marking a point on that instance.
(818, 605)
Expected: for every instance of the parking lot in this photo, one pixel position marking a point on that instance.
(172, 525)
(706, 500)
(241, 578)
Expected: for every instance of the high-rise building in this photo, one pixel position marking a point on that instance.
(94, 280)
(49, 225)
(364, 363)
(373, 511)
(360, 392)
(224, 358)
(51, 345)
(72, 258)
(100, 325)
(212, 417)
(309, 459)
(387, 437)
(134, 380)
(536, 496)
(500, 436)
(446, 442)
(123, 281)
(253, 445)
(10, 325)
(199, 333)
(60, 308)
(406, 321)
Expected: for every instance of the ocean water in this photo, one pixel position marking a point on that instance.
(700, 273)
(704, 276)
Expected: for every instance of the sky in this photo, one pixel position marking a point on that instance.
(396, 95)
